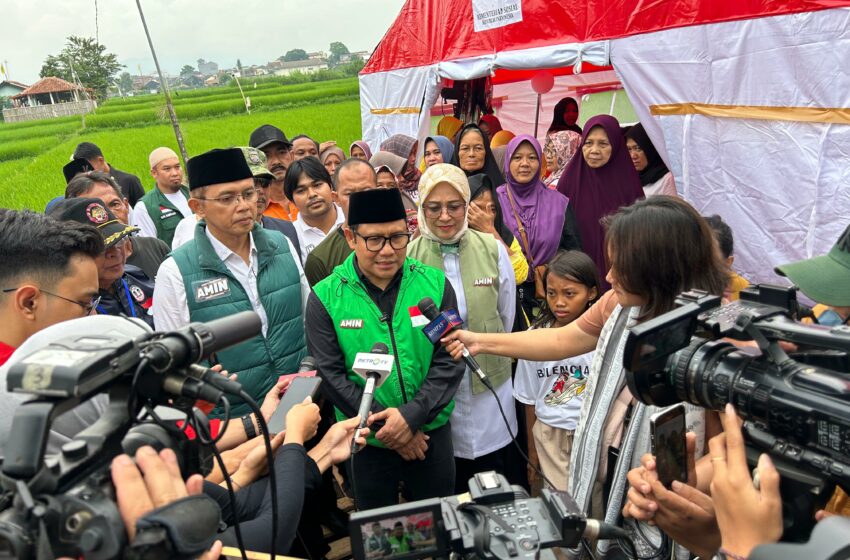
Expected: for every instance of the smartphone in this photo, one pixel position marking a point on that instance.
(668, 444)
(298, 390)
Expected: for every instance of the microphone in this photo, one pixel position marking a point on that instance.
(308, 364)
(374, 367)
(443, 323)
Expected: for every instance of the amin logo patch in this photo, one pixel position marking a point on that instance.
(206, 290)
(351, 324)
(483, 281)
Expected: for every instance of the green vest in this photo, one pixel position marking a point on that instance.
(166, 221)
(479, 272)
(358, 324)
(212, 292)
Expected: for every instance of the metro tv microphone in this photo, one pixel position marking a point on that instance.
(374, 367)
(443, 323)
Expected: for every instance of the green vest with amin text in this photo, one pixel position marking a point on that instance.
(479, 273)
(358, 324)
(164, 215)
(212, 292)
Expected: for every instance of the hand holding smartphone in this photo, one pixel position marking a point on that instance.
(298, 390)
(669, 445)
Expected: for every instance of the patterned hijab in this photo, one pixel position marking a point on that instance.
(363, 146)
(433, 176)
(564, 144)
(402, 145)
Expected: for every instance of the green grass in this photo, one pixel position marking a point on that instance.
(29, 182)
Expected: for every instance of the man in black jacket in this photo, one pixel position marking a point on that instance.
(130, 185)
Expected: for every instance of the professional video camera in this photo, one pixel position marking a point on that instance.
(493, 520)
(796, 407)
(64, 505)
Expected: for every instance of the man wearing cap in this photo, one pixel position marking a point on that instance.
(278, 150)
(826, 280)
(234, 264)
(353, 175)
(372, 297)
(159, 211)
(124, 289)
(130, 184)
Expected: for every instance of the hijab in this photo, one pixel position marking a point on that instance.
(491, 167)
(332, 150)
(479, 183)
(501, 138)
(386, 159)
(433, 176)
(595, 193)
(565, 143)
(655, 167)
(542, 211)
(447, 149)
(448, 127)
(499, 155)
(558, 122)
(401, 145)
(492, 122)
(363, 146)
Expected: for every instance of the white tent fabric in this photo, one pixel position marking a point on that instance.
(782, 185)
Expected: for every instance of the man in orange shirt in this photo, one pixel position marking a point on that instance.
(272, 141)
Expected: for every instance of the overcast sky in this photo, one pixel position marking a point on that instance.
(183, 31)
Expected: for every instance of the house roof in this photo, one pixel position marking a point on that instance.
(13, 83)
(50, 84)
(303, 63)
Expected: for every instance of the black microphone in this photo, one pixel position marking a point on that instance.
(308, 364)
(429, 309)
(374, 367)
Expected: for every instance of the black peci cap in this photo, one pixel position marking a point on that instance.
(377, 206)
(217, 166)
(267, 134)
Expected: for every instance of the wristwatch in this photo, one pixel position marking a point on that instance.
(248, 424)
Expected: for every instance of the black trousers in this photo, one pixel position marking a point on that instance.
(378, 472)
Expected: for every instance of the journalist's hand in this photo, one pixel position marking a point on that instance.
(456, 340)
(747, 516)
(152, 481)
(414, 449)
(687, 515)
(272, 398)
(302, 422)
(335, 447)
(395, 433)
(255, 464)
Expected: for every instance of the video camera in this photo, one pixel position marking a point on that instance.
(64, 505)
(796, 407)
(493, 520)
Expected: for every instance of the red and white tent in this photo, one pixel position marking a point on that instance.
(748, 101)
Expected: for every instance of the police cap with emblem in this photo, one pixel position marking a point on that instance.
(377, 206)
(93, 212)
(217, 166)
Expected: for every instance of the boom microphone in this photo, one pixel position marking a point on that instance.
(374, 367)
(443, 323)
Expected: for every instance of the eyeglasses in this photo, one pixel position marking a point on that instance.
(95, 301)
(435, 210)
(248, 195)
(376, 243)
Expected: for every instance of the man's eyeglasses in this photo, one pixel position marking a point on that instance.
(375, 243)
(248, 195)
(95, 301)
(435, 210)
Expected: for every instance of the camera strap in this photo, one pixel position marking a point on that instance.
(183, 529)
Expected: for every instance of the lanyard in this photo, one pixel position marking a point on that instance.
(102, 311)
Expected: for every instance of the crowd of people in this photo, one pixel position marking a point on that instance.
(549, 254)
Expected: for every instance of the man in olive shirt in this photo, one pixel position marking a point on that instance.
(353, 175)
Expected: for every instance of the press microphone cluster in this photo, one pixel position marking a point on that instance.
(441, 324)
(374, 366)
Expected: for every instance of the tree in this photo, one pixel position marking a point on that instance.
(125, 82)
(95, 68)
(337, 50)
(186, 71)
(295, 54)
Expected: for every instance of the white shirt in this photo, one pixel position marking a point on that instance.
(665, 185)
(477, 425)
(184, 232)
(555, 389)
(143, 221)
(171, 311)
(309, 237)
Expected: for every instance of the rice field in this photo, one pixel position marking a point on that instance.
(32, 153)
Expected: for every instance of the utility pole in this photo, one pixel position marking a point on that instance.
(165, 92)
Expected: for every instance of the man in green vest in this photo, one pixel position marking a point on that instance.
(233, 264)
(372, 297)
(160, 210)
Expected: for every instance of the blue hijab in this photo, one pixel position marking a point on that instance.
(445, 145)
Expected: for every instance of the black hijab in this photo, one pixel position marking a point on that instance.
(655, 168)
(558, 122)
(480, 182)
(491, 166)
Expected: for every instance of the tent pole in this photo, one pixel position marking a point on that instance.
(537, 115)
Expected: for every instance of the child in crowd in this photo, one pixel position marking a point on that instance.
(552, 391)
(723, 234)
